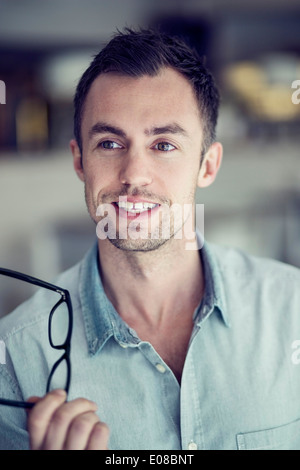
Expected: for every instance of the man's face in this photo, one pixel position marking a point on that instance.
(141, 150)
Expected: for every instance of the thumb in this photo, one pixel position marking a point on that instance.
(34, 400)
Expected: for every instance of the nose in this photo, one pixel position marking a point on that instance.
(135, 169)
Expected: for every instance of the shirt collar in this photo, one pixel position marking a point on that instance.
(101, 319)
(214, 295)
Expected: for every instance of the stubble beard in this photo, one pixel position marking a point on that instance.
(151, 242)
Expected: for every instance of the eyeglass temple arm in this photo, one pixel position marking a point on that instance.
(30, 279)
(18, 404)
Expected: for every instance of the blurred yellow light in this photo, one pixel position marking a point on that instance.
(245, 78)
(274, 103)
(271, 101)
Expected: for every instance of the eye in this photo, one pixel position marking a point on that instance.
(109, 145)
(164, 147)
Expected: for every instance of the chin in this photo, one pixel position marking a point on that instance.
(139, 245)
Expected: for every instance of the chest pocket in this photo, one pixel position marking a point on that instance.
(285, 437)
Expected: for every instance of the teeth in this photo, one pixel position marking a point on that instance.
(135, 207)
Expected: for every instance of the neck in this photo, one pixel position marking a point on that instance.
(149, 287)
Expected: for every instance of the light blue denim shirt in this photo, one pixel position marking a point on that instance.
(240, 385)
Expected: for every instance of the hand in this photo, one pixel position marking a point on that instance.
(54, 424)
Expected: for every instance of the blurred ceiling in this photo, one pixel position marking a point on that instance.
(38, 23)
(251, 46)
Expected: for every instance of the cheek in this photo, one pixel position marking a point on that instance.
(92, 186)
(96, 176)
(184, 183)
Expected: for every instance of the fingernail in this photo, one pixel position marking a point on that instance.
(59, 392)
(93, 404)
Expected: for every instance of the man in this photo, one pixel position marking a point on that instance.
(172, 348)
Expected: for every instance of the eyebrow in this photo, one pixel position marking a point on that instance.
(173, 128)
(102, 128)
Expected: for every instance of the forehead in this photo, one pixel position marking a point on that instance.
(147, 99)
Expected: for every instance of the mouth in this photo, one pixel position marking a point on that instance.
(132, 209)
(136, 207)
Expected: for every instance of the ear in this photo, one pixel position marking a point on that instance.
(77, 159)
(210, 165)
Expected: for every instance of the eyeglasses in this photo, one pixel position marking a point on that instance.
(63, 344)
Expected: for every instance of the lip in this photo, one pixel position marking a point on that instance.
(135, 200)
(124, 214)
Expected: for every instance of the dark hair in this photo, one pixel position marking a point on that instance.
(145, 52)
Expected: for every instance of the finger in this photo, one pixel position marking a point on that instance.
(32, 400)
(40, 415)
(80, 430)
(61, 421)
(99, 437)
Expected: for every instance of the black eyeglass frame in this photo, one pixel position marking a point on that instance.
(66, 346)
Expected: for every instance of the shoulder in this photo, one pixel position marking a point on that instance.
(239, 262)
(258, 292)
(242, 271)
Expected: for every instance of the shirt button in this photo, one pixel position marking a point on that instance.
(123, 345)
(160, 368)
(192, 446)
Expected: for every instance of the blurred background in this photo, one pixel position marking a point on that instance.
(252, 47)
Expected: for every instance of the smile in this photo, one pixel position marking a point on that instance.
(135, 207)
